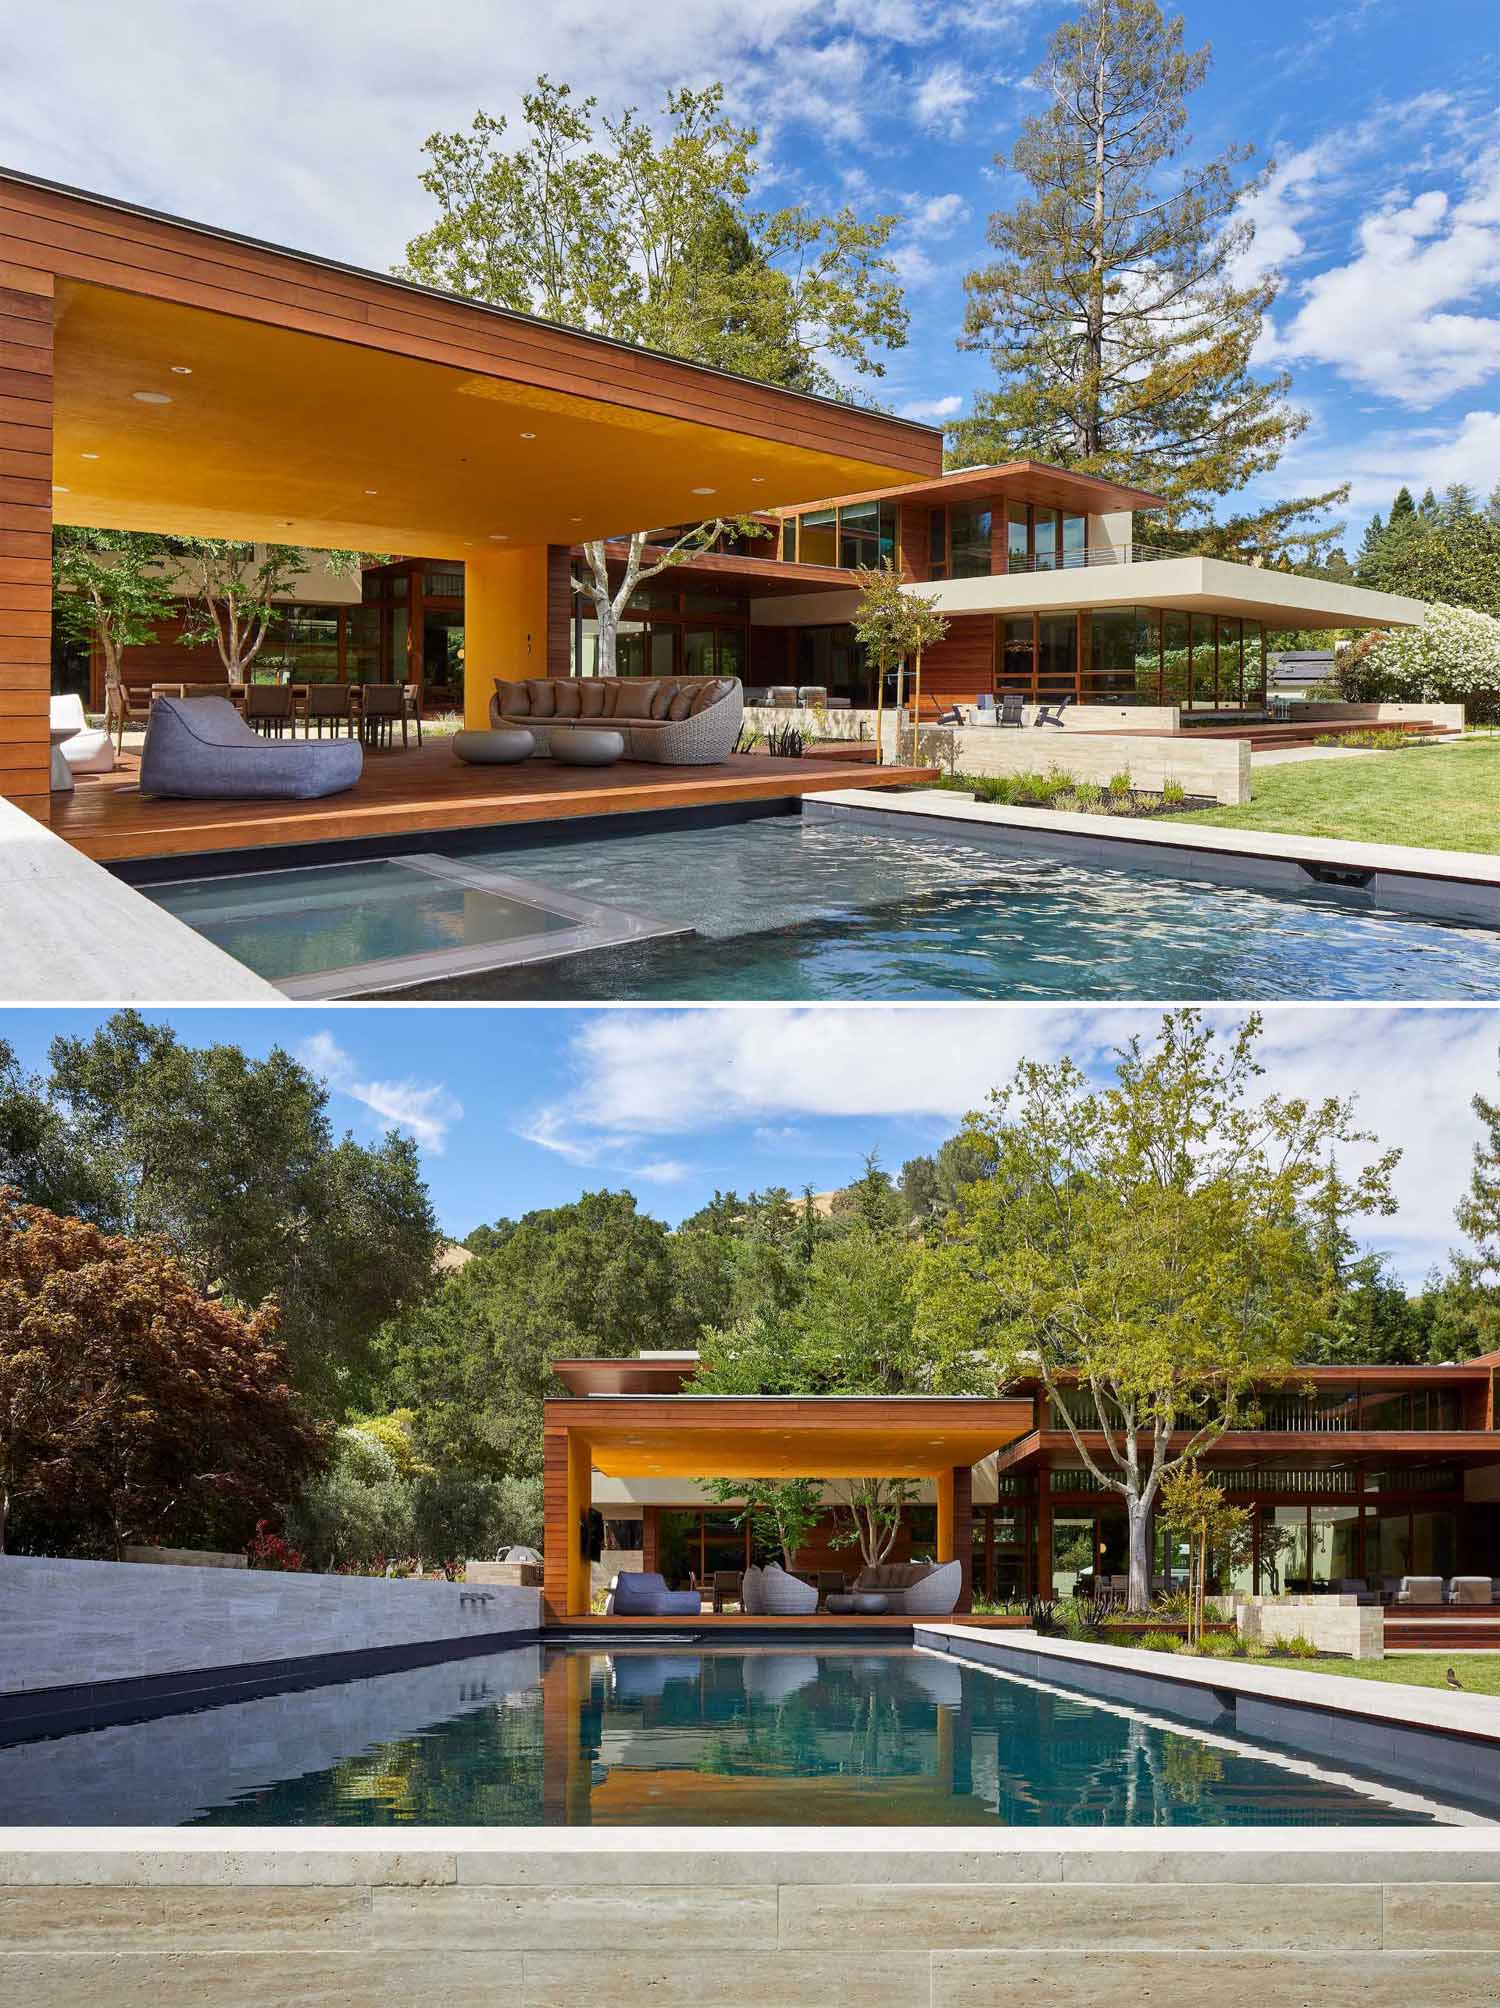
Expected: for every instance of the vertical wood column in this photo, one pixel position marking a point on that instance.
(25, 537)
(955, 1526)
(651, 1539)
(567, 1483)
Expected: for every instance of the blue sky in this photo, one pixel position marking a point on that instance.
(303, 123)
(516, 1109)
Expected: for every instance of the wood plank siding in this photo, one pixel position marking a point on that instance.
(26, 311)
(963, 663)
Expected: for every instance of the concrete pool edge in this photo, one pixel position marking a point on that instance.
(1460, 886)
(754, 1918)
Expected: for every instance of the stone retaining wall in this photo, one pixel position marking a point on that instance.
(1332, 1623)
(1217, 768)
(782, 1919)
(68, 1624)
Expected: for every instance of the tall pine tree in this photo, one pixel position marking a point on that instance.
(1119, 327)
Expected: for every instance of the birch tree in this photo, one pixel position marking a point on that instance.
(237, 591)
(1144, 1251)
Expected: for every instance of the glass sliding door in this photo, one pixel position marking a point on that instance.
(969, 533)
(1075, 540)
(1204, 683)
(1018, 656)
(1254, 646)
(1056, 657)
(1334, 1555)
(1174, 662)
(1018, 537)
(1072, 1552)
(1045, 539)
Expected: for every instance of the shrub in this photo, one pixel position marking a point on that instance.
(1454, 657)
(1080, 1618)
(1220, 1645)
(1161, 1641)
(1088, 795)
(1173, 792)
(1327, 739)
(363, 1458)
(1120, 784)
(1298, 1646)
(266, 1550)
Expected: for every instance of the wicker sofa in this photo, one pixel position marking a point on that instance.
(671, 721)
(916, 1589)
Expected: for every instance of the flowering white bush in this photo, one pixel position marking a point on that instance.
(1453, 658)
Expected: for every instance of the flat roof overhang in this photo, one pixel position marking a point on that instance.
(786, 1436)
(1029, 480)
(1041, 1450)
(318, 404)
(1186, 584)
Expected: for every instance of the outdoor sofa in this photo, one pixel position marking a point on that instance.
(640, 1593)
(199, 749)
(671, 721)
(915, 1589)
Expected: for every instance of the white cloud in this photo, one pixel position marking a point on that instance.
(425, 1110)
(1412, 312)
(941, 101)
(1377, 463)
(771, 1068)
(932, 408)
(936, 215)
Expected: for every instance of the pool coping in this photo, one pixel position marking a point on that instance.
(1432, 884)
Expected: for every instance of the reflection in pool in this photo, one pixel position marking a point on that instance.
(685, 1736)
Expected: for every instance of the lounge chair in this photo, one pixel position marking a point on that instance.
(199, 749)
(641, 1593)
(788, 1596)
(1051, 714)
(1470, 1590)
(1420, 1590)
(1012, 709)
(753, 1591)
(1356, 1587)
(89, 750)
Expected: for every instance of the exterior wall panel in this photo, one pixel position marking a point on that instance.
(26, 538)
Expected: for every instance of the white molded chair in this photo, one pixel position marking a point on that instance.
(89, 750)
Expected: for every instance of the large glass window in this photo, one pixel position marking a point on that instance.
(1018, 537)
(1072, 1552)
(1231, 673)
(1432, 1544)
(1255, 663)
(818, 537)
(789, 539)
(937, 543)
(832, 659)
(1288, 1561)
(1147, 655)
(1114, 648)
(1205, 673)
(1017, 655)
(1044, 539)
(1056, 656)
(867, 534)
(1335, 1545)
(969, 534)
(1174, 677)
(1075, 538)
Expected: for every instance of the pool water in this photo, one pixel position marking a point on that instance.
(685, 1735)
(805, 909)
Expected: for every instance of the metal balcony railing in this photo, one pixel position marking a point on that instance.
(1096, 554)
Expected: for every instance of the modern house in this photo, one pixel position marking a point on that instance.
(1356, 1472)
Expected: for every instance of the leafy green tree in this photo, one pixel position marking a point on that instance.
(1451, 557)
(930, 1185)
(1473, 1313)
(894, 626)
(109, 586)
(1368, 1317)
(238, 590)
(1119, 329)
(780, 1512)
(872, 1202)
(474, 1358)
(233, 1162)
(132, 1407)
(601, 224)
(1142, 1250)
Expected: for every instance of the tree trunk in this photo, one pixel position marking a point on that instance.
(1138, 1518)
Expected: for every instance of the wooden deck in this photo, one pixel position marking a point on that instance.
(411, 793)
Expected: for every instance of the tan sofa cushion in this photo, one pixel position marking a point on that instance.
(593, 698)
(684, 697)
(710, 691)
(515, 699)
(567, 695)
(666, 691)
(633, 697)
(543, 696)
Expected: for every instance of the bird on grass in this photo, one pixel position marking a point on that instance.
(1453, 1679)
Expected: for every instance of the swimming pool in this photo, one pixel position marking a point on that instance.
(687, 1734)
(800, 908)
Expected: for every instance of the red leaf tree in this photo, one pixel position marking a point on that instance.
(133, 1408)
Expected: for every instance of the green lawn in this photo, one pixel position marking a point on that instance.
(1479, 1671)
(1442, 797)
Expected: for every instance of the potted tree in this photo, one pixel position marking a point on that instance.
(894, 626)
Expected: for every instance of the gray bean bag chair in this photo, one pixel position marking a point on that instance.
(641, 1593)
(788, 1596)
(199, 749)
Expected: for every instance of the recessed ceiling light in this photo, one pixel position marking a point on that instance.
(372, 491)
(499, 536)
(58, 489)
(528, 435)
(705, 491)
(88, 456)
(757, 477)
(150, 397)
(575, 519)
(181, 369)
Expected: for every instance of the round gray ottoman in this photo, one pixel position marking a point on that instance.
(496, 748)
(586, 745)
(859, 1604)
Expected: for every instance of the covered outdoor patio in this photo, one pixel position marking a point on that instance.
(651, 1437)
